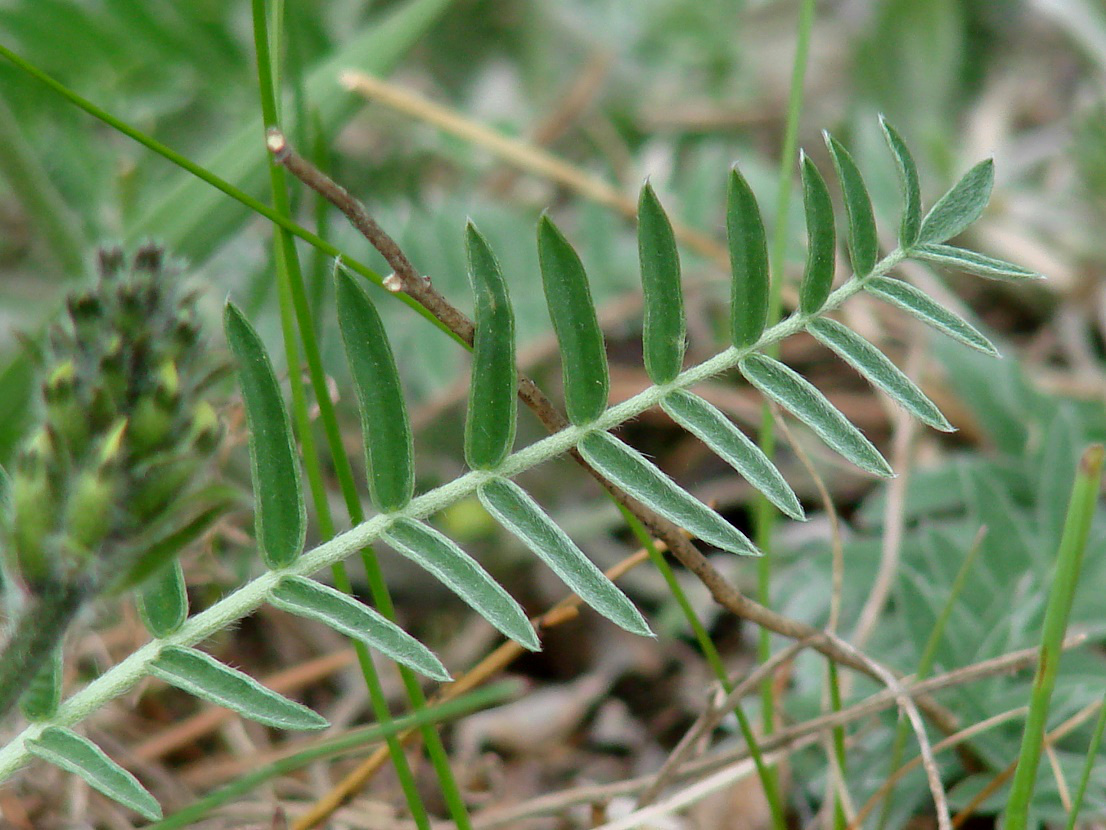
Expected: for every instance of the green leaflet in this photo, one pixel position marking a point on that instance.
(40, 699)
(798, 396)
(664, 327)
(877, 368)
(911, 300)
(162, 601)
(962, 205)
(583, 356)
(463, 575)
(387, 431)
(493, 399)
(821, 239)
(307, 598)
(748, 262)
(205, 677)
(863, 240)
(639, 477)
(513, 508)
(72, 753)
(730, 444)
(911, 189)
(281, 514)
(959, 259)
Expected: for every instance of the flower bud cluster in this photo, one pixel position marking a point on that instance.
(125, 432)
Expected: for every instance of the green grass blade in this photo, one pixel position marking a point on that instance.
(962, 205)
(879, 370)
(513, 508)
(350, 741)
(664, 328)
(639, 477)
(583, 355)
(464, 576)
(1088, 767)
(714, 429)
(863, 238)
(911, 189)
(387, 431)
(493, 399)
(73, 753)
(162, 600)
(281, 513)
(748, 262)
(796, 394)
(905, 296)
(1069, 562)
(821, 239)
(307, 598)
(205, 677)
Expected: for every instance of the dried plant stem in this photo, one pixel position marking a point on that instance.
(789, 738)
(522, 154)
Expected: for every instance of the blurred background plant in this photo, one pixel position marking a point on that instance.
(676, 91)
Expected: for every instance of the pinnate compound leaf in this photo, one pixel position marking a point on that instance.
(205, 677)
(163, 601)
(665, 327)
(77, 755)
(513, 508)
(639, 477)
(730, 444)
(962, 205)
(307, 598)
(863, 240)
(387, 432)
(795, 394)
(583, 355)
(40, 699)
(821, 239)
(920, 305)
(748, 262)
(970, 262)
(879, 370)
(911, 189)
(464, 576)
(281, 515)
(492, 406)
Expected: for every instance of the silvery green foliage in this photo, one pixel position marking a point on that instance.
(490, 430)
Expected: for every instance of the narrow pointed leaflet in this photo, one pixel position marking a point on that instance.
(493, 399)
(961, 206)
(821, 251)
(310, 599)
(643, 480)
(387, 431)
(863, 239)
(795, 394)
(464, 576)
(664, 326)
(163, 601)
(205, 677)
(915, 302)
(911, 189)
(281, 515)
(714, 429)
(959, 259)
(879, 370)
(513, 508)
(69, 751)
(583, 355)
(748, 262)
